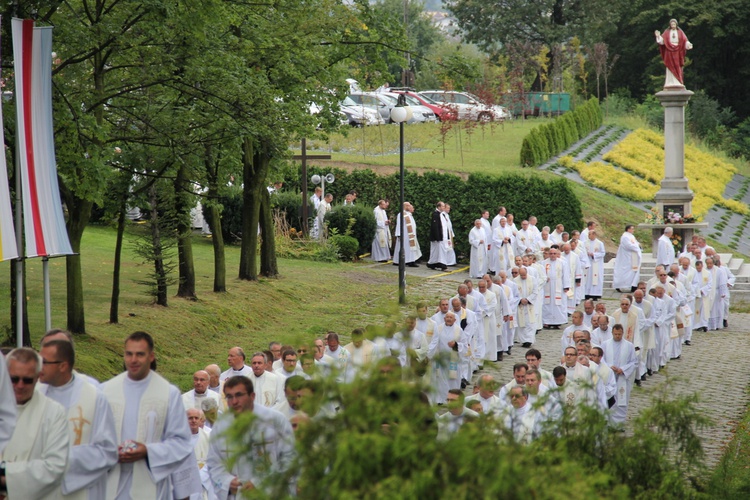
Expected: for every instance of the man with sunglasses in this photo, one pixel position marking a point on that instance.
(34, 461)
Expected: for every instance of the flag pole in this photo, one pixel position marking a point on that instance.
(47, 301)
(19, 260)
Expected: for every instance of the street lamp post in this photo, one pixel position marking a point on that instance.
(400, 114)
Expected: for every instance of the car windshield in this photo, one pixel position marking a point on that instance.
(472, 96)
(429, 100)
(412, 101)
(348, 102)
(368, 100)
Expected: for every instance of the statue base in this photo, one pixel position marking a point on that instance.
(684, 231)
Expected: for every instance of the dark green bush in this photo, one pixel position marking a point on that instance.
(291, 204)
(362, 228)
(347, 246)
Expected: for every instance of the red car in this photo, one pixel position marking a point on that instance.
(441, 112)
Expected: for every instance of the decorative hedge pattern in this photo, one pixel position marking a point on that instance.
(548, 140)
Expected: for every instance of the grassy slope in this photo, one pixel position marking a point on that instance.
(309, 299)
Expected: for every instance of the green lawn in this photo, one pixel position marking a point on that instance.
(310, 298)
(466, 147)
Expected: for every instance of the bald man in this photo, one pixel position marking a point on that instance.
(194, 397)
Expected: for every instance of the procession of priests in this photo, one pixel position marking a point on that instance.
(64, 434)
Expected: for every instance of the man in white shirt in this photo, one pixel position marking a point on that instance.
(381, 244)
(237, 366)
(619, 354)
(153, 438)
(199, 436)
(491, 404)
(35, 458)
(665, 250)
(92, 435)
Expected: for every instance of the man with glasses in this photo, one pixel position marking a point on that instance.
(290, 366)
(34, 461)
(92, 435)
(265, 452)
(520, 418)
(194, 397)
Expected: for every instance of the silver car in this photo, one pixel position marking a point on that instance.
(421, 113)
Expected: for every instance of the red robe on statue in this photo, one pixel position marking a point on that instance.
(674, 55)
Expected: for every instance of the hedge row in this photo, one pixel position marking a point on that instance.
(546, 141)
(553, 202)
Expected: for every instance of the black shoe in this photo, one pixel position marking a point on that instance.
(704, 329)
(499, 355)
(430, 266)
(412, 264)
(649, 372)
(687, 342)
(638, 382)
(509, 348)
(726, 324)
(643, 377)
(443, 267)
(526, 345)
(396, 263)
(464, 383)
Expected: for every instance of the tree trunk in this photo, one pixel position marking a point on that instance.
(79, 212)
(114, 305)
(254, 172)
(214, 220)
(268, 264)
(186, 286)
(160, 273)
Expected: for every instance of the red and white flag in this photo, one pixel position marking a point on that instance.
(44, 223)
(8, 248)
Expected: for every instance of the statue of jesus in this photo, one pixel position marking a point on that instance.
(673, 45)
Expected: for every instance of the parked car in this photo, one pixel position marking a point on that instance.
(379, 101)
(359, 115)
(441, 111)
(467, 106)
(420, 113)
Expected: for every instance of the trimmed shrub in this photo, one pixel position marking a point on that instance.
(359, 218)
(291, 204)
(347, 246)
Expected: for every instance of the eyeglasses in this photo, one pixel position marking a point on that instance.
(290, 361)
(516, 396)
(26, 380)
(48, 362)
(301, 351)
(230, 397)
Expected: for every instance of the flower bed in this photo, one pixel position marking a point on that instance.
(612, 180)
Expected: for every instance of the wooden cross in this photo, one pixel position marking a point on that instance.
(303, 158)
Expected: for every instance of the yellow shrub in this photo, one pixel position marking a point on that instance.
(642, 152)
(616, 181)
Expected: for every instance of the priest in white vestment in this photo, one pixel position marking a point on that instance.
(269, 387)
(502, 245)
(451, 421)
(37, 454)
(233, 464)
(489, 322)
(520, 418)
(200, 438)
(92, 434)
(7, 406)
(716, 295)
(556, 286)
(381, 244)
(478, 264)
(194, 397)
(664, 249)
(594, 276)
(490, 402)
(450, 251)
(449, 343)
(576, 276)
(703, 300)
(627, 271)
(525, 316)
(620, 355)
(152, 431)
(237, 366)
(412, 251)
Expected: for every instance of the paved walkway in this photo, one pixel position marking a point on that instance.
(702, 367)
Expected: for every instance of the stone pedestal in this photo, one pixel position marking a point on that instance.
(674, 194)
(684, 231)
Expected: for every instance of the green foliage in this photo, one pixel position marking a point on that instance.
(362, 228)
(347, 246)
(546, 141)
(231, 215)
(382, 444)
(651, 111)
